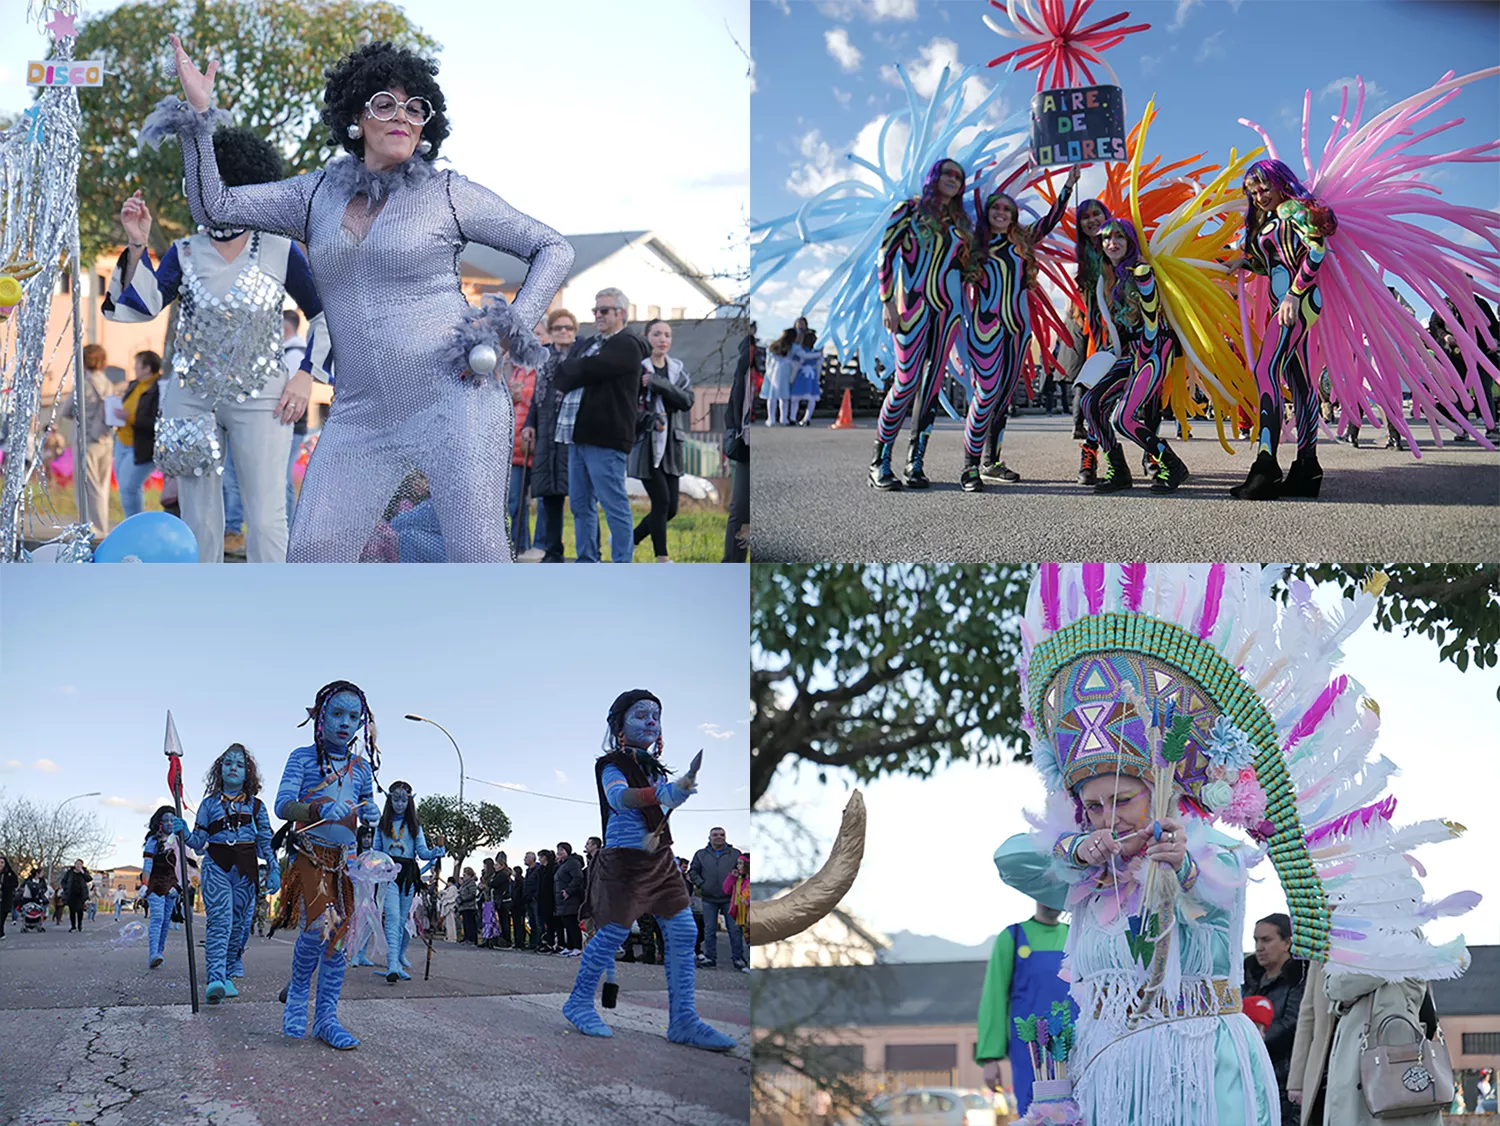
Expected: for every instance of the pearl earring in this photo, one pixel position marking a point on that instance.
(425, 147)
(355, 132)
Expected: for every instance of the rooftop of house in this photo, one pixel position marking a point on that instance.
(943, 993)
(486, 262)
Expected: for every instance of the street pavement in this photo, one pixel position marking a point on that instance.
(91, 1036)
(810, 503)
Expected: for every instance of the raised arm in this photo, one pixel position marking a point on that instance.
(485, 218)
(139, 291)
(1043, 226)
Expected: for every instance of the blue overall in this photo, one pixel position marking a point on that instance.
(228, 893)
(1034, 986)
(397, 903)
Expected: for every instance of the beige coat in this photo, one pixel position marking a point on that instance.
(1355, 995)
(1315, 1023)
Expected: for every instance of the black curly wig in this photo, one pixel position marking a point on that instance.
(361, 75)
(245, 157)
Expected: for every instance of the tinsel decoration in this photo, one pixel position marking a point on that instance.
(39, 158)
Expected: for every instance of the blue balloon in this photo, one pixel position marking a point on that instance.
(149, 537)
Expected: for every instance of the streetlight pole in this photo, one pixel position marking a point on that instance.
(459, 753)
(52, 864)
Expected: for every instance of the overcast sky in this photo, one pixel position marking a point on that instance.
(928, 864)
(591, 115)
(519, 663)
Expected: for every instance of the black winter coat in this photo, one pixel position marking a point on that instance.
(545, 890)
(549, 460)
(611, 379)
(532, 879)
(569, 878)
(8, 883)
(75, 886)
(1285, 994)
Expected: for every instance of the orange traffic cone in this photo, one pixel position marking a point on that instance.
(845, 420)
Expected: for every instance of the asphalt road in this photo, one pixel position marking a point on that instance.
(810, 503)
(91, 1036)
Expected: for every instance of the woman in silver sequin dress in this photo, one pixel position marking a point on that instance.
(385, 230)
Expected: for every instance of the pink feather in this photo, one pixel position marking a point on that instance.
(1049, 595)
(1093, 586)
(1211, 599)
(1133, 585)
(1383, 809)
(1314, 715)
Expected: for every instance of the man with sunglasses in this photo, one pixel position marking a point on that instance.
(601, 381)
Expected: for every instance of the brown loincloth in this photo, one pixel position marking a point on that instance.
(241, 856)
(626, 883)
(316, 881)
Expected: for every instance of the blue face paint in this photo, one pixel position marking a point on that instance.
(642, 724)
(232, 770)
(400, 799)
(343, 716)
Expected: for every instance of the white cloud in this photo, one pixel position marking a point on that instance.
(846, 54)
(46, 766)
(1234, 5)
(1212, 47)
(1179, 18)
(927, 68)
(753, 86)
(1150, 63)
(818, 169)
(874, 10)
(10, 766)
(561, 777)
(714, 731)
(843, 97)
(114, 801)
(1374, 91)
(784, 5)
(69, 689)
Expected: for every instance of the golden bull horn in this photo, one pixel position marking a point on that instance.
(775, 919)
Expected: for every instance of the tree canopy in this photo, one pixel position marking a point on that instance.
(903, 668)
(466, 829)
(272, 56)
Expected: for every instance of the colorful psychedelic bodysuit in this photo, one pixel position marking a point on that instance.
(927, 256)
(997, 329)
(1288, 249)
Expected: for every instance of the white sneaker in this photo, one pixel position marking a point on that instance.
(531, 555)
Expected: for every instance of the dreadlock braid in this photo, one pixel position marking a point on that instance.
(315, 713)
(615, 724)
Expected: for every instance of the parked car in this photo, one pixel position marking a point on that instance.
(935, 1106)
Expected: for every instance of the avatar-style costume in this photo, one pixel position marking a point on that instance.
(159, 868)
(625, 882)
(399, 893)
(316, 887)
(235, 835)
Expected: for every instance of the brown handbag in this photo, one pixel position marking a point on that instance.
(1401, 1080)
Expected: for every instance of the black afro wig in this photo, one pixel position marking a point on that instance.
(359, 76)
(245, 157)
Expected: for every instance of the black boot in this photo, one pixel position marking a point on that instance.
(1116, 472)
(1088, 465)
(915, 456)
(1171, 474)
(1304, 477)
(881, 476)
(1263, 481)
(969, 480)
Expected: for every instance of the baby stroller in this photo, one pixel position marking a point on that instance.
(33, 916)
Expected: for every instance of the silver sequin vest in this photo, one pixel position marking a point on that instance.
(227, 348)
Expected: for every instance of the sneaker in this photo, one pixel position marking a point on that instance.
(234, 543)
(999, 471)
(531, 555)
(741, 967)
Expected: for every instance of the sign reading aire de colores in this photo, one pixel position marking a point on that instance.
(1086, 123)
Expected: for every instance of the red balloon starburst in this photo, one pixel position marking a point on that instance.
(1057, 48)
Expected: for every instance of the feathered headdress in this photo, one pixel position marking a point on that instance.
(1120, 659)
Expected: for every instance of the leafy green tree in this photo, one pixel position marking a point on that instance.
(272, 56)
(465, 829)
(903, 668)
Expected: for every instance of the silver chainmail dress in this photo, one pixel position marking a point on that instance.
(384, 249)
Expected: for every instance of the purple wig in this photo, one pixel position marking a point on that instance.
(1083, 247)
(933, 210)
(1122, 294)
(1284, 180)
